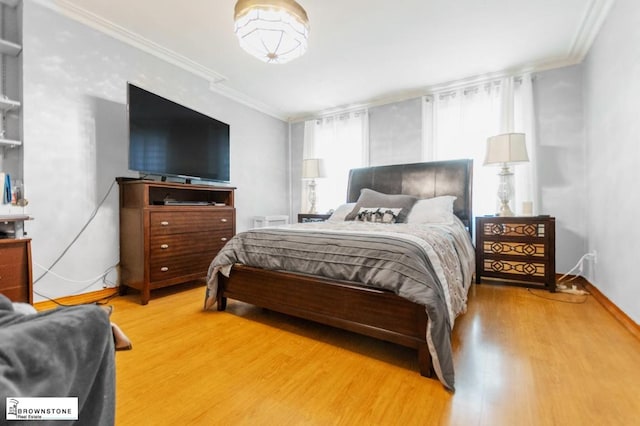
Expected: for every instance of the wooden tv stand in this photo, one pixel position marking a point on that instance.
(170, 232)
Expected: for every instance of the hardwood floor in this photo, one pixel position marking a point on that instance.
(520, 359)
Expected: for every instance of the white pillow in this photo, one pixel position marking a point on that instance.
(432, 210)
(341, 212)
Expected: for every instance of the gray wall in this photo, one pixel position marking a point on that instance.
(560, 159)
(75, 143)
(612, 99)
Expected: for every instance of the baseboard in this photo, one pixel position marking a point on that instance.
(617, 313)
(77, 299)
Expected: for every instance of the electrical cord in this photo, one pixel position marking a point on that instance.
(91, 280)
(93, 215)
(579, 264)
(571, 302)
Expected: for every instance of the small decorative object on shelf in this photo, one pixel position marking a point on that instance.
(517, 250)
(308, 217)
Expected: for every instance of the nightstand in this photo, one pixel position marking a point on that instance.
(312, 217)
(519, 250)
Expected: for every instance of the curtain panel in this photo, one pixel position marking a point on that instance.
(457, 123)
(342, 142)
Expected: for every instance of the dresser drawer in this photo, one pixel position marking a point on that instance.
(167, 246)
(178, 266)
(176, 222)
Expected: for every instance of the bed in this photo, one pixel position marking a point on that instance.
(383, 308)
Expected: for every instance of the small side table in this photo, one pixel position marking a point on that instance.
(312, 217)
(519, 250)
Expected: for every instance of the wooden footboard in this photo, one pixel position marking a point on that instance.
(367, 311)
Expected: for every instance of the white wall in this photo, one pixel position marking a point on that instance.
(75, 143)
(560, 154)
(395, 133)
(612, 100)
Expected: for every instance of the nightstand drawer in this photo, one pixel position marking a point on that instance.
(514, 248)
(511, 228)
(518, 269)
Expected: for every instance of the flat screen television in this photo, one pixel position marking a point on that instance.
(169, 139)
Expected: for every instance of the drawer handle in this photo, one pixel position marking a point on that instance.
(223, 220)
(164, 246)
(164, 223)
(164, 269)
(224, 238)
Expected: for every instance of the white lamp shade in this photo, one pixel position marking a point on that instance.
(313, 168)
(506, 148)
(274, 31)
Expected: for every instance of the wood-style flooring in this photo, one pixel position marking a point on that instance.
(520, 359)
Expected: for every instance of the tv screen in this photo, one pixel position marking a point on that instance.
(168, 139)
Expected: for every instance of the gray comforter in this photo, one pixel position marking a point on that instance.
(66, 352)
(430, 266)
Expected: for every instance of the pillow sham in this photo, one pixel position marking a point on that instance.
(370, 198)
(378, 215)
(341, 212)
(432, 210)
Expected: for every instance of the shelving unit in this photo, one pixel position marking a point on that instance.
(11, 152)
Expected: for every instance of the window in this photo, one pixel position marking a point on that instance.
(341, 141)
(457, 123)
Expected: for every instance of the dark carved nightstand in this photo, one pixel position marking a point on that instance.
(312, 217)
(518, 249)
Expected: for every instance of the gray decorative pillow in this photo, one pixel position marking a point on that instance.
(370, 198)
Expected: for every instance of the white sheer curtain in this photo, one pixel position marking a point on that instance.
(459, 121)
(342, 141)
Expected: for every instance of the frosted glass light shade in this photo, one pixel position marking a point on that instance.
(274, 31)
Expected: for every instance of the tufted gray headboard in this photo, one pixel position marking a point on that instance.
(422, 180)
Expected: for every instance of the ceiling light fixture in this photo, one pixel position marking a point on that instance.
(274, 31)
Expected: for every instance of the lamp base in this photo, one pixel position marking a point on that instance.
(505, 190)
(505, 210)
(312, 197)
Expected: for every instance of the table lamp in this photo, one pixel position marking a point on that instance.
(503, 150)
(312, 168)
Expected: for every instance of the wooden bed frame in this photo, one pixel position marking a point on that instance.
(351, 306)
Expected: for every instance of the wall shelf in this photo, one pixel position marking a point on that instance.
(7, 104)
(9, 48)
(9, 143)
(10, 3)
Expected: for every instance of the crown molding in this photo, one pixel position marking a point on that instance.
(594, 16)
(222, 89)
(216, 80)
(70, 10)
